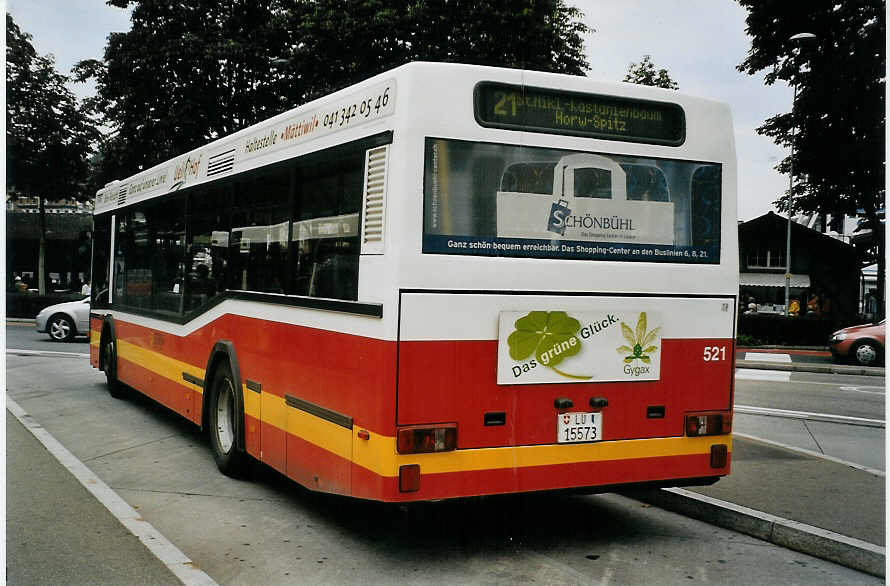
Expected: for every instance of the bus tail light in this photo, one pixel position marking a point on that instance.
(423, 440)
(708, 424)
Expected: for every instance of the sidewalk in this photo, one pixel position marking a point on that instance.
(61, 534)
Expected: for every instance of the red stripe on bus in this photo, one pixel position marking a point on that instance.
(176, 396)
(341, 372)
(316, 468)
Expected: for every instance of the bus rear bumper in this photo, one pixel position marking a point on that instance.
(608, 467)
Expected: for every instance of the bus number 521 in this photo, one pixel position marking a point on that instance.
(715, 353)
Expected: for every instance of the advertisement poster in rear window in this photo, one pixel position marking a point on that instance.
(489, 199)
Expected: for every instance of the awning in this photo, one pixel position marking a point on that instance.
(773, 280)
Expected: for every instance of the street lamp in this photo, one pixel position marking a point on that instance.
(798, 38)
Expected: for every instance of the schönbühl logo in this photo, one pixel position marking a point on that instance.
(557, 220)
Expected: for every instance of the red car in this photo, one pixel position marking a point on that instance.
(863, 344)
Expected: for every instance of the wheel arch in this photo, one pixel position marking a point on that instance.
(224, 352)
(869, 339)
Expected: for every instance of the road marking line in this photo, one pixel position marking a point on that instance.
(860, 389)
(18, 352)
(160, 546)
(751, 374)
(768, 357)
(807, 452)
(827, 417)
(780, 376)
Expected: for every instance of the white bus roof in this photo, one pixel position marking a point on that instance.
(320, 124)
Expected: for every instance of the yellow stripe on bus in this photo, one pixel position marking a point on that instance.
(378, 454)
(165, 366)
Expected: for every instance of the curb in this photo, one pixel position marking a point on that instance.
(811, 367)
(834, 547)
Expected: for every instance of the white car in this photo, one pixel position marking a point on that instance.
(63, 321)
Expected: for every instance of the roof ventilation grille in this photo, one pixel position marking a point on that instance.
(221, 163)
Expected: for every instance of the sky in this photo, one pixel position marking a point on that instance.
(700, 43)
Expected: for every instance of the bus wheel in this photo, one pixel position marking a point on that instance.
(221, 419)
(109, 361)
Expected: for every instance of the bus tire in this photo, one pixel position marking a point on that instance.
(223, 419)
(109, 364)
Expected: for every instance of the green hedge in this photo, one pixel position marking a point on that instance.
(768, 328)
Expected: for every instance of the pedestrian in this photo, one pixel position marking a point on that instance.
(813, 306)
(85, 290)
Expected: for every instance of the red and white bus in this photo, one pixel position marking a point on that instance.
(444, 281)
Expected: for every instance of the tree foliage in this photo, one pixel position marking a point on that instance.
(837, 126)
(644, 73)
(48, 136)
(193, 70)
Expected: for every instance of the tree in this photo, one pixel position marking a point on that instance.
(644, 73)
(529, 34)
(187, 72)
(837, 126)
(194, 70)
(48, 136)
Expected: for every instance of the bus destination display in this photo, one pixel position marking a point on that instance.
(543, 110)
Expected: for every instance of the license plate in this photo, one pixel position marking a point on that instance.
(572, 428)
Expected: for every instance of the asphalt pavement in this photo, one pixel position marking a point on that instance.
(785, 496)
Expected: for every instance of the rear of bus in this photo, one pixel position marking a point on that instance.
(567, 266)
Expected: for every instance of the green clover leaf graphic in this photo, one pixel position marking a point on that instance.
(549, 335)
(640, 341)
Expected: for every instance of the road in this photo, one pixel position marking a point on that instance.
(268, 530)
(838, 415)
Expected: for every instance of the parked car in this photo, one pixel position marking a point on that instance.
(63, 321)
(862, 344)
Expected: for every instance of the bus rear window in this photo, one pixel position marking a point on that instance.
(505, 200)
(593, 182)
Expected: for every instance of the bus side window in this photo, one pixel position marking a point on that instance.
(258, 237)
(166, 225)
(325, 234)
(203, 274)
(100, 263)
